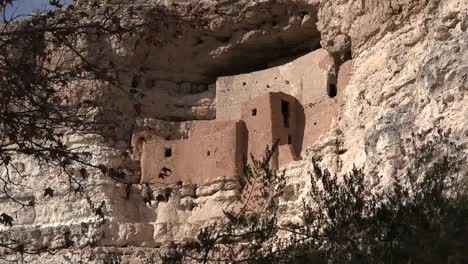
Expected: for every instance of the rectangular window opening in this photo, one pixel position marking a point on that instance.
(289, 139)
(285, 113)
(254, 112)
(168, 152)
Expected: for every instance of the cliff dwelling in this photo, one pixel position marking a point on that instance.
(292, 103)
(127, 126)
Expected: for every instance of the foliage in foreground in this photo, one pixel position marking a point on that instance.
(56, 76)
(420, 218)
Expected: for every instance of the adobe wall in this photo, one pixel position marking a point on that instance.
(265, 124)
(286, 155)
(306, 78)
(319, 115)
(213, 149)
(318, 119)
(216, 148)
(293, 133)
(147, 129)
(258, 125)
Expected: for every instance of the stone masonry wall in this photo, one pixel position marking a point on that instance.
(306, 78)
(213, 149)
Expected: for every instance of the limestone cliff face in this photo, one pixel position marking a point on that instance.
(408, 78)
(408, 81)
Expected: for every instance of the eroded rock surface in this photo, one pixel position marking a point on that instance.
(408, 78)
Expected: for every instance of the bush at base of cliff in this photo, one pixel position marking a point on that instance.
(420, 218)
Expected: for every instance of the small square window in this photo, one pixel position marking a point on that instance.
(254, 112)
(168, 152)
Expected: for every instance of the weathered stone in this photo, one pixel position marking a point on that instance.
(209, 189)
(188, 190)
(407, 74)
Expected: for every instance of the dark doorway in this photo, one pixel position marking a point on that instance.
(285, 113)
(254, 112)
(332, 91)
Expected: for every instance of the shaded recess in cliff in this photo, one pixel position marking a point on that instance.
(229, 45)
(170, 67)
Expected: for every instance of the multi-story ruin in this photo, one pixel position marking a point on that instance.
(293, 104)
